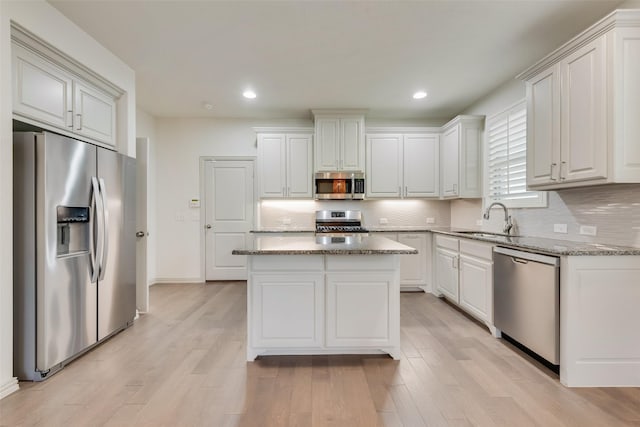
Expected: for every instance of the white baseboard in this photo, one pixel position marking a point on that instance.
(9, 387)
(180, 280)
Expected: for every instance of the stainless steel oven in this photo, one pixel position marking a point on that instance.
(339, 186)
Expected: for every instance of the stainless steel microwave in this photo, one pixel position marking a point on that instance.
(339, 185)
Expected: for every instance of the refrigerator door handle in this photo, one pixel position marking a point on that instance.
(105, 229)
(93, 259)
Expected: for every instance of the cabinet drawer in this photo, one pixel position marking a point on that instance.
(447, 242)
(476, 249)
(287, 263)
(360, 262)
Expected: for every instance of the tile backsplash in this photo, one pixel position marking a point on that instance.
(613, 209)
(406, 213)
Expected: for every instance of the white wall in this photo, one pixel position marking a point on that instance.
(180, 145)
(146, 127)
(46, 22)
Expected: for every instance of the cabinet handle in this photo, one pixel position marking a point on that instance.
(399, 191)
(70, 116)
(563, 164)
(455, 188)
(406, 191)
(79, 116)
(553, 165)
(284, 192)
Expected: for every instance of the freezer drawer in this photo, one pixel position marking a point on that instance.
(527, 300)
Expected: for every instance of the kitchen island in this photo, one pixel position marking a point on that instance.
(323, 295)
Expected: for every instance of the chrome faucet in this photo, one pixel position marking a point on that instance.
(508, 225)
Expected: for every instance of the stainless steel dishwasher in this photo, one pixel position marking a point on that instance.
(526, 300)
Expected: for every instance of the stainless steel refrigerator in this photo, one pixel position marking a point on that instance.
(74, 249)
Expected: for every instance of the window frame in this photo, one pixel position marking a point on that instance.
(538, 199)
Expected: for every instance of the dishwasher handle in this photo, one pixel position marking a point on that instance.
(524, 257)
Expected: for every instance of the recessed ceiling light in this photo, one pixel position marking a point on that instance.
(249, 94)
(420, 94)
(207, 106)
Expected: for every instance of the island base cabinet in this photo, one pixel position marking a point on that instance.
(326, 304)
(287, 310)
(358, 310)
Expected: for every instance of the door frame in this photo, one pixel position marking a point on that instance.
(203, 195)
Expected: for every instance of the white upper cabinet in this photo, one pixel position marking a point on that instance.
(384, 165)
(402, 165)
(583, 101)
(94, 113)
(52, 97)
(339, 141)
(421, 165)
(461, 158)
(41, 90)
(284, 165)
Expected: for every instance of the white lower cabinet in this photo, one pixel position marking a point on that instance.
(414, 268)
(476, 279)
(288, 310)
(350, 323)
(323, 304)
(464, 275)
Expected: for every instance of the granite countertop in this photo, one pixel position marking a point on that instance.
(401, 229)
(323, 245)
(543, 245)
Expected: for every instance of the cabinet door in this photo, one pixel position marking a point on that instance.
(327, 144)
(450, 161)
(287, 310)
(584, 114)
(413, 268)
(94, 114)
(447, 273)
(543, 128)
(421, 166)
(384, 158)
(41, 91)
(271, 165)
(299, 166)
(470, 161)
(476, 286)
(352, 144)
(359, 308)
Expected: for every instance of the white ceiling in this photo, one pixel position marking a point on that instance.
(299, 55)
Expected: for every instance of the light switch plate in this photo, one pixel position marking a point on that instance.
(560, 228)
(383, 221)
(431, 220)
(588, 230)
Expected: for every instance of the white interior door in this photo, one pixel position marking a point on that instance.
(142, 283)
(229, 210)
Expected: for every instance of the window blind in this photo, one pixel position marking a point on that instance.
(507, 159)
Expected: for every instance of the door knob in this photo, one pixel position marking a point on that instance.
(140, 234)
(208, 226)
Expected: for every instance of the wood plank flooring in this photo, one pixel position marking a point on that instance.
(184, 364)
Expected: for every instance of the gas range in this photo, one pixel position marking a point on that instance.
(339, 222)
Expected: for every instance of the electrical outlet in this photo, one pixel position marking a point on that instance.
(383, 221)
(560, 228)
(588, 230)
(180, 217)
(286, 221)
(431, 220)
(479, 222)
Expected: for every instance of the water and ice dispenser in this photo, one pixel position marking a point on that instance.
(73, 230)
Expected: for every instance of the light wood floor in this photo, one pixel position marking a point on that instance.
(183, 364)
